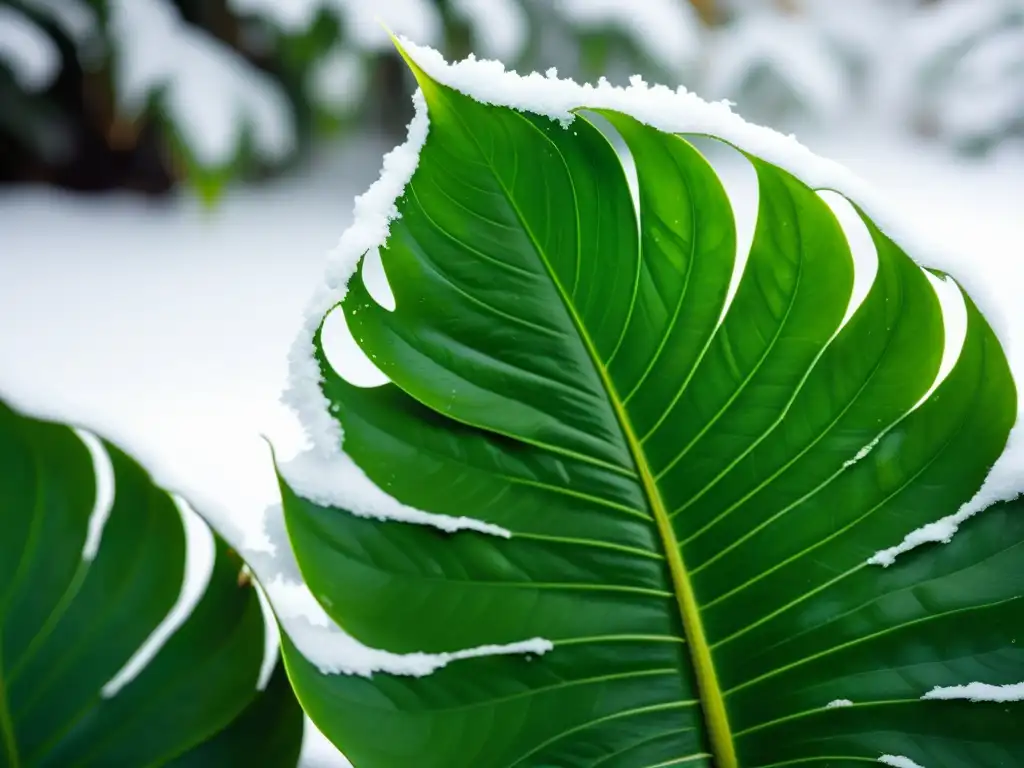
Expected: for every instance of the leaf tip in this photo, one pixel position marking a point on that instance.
(426, 83)
(384, 25)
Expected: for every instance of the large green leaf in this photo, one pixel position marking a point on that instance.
(72, 616)
(692, 498)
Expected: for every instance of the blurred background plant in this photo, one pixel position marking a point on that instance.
(147, 94)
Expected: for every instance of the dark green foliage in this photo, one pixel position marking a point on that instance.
(692, 500)
(69, 624)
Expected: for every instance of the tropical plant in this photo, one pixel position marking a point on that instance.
(708, 501)
(99, 665)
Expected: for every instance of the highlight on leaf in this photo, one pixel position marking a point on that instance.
(598, 432)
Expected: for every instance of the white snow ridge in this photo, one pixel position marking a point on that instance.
(326, 645)
(898, 761)
(978, 692)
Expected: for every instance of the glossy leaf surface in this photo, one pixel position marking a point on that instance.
(693, 497)
(70, 623)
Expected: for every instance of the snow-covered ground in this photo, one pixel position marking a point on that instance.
(166, 328)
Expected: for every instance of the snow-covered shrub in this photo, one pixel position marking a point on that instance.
(245, 85)
(218, 106)
(113, 67)
(798, 61)
(29, 54)
(663, 36)
(965, 62)
(30, 62)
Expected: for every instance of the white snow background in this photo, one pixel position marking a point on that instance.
(167, 328)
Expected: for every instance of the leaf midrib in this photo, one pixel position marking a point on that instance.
(712, 699)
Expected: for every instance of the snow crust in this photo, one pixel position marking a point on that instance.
(978, 692)
(27, 50)
(373, 212)
(328, 480)
(1003, 482)
(940, 531)
(326, 645)
(325, 475)
(680, 111)
(863, 452)
(211, 95)
(898, 761)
